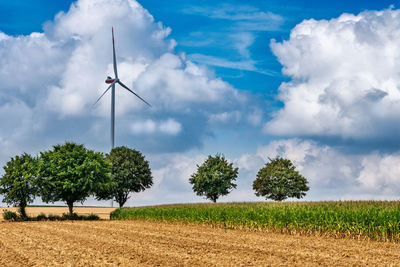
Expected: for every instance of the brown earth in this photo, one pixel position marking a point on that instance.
(102, 212)
(143, 243)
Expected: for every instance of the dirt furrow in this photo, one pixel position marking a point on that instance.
(240, 242)
(143, 243)
(138, 245)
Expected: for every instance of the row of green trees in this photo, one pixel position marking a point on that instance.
(71, 173)
(277, 180)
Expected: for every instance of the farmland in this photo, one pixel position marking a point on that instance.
(102, 212)
(375, 220)
(147, 243)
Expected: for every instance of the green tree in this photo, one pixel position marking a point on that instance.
(71, 173)
(130, 172)
(279, 180)
(214, 178)
(18, 183)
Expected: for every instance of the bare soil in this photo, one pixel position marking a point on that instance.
(144, 243)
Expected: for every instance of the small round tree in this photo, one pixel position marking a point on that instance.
(18, 184)
(130, 171)
(71, 173)
(279, 180)
(214, 178)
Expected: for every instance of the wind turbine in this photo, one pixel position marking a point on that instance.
(112, 82)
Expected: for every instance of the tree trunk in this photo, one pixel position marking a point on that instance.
(121, 202)
(22, 211)
(70, 207)
(122, 199)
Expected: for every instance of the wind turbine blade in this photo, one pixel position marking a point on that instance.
(114, 59)
(104, 93)
(123, 85)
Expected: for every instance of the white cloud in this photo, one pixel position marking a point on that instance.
(146, 60)
(170, 127)
(345, 77)
(221, 62)
(247, 64)
(225, 117)
(176, 172)
(250, 162)
(381, 173)
(242, 43)
(3, 36)
(255, 117)
(145, 127)
(51, 79)
(246, 17)
(8, 150)
(28, 64)
(172, 82)
(70, 60)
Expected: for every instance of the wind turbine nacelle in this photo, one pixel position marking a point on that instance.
(110, 80)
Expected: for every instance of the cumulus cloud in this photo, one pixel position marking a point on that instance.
(146, 60)
(51, 79)
(173, 82)
(344, 78)
(380, 173)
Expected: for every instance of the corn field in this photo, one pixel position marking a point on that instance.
(375, 220)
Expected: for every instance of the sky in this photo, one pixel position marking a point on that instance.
(313, 81)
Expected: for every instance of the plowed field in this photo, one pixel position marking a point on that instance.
(143, 243)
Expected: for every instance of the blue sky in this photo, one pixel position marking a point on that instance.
(314, 81)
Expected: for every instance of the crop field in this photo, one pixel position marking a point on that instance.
(102, 212)
(147, 243)
(371, 220)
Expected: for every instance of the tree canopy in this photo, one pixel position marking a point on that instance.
(130, 172)
(279, 180)
(71, 173)
(18, 184)
(214, 178)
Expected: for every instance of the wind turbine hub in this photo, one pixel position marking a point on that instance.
(110, 80)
